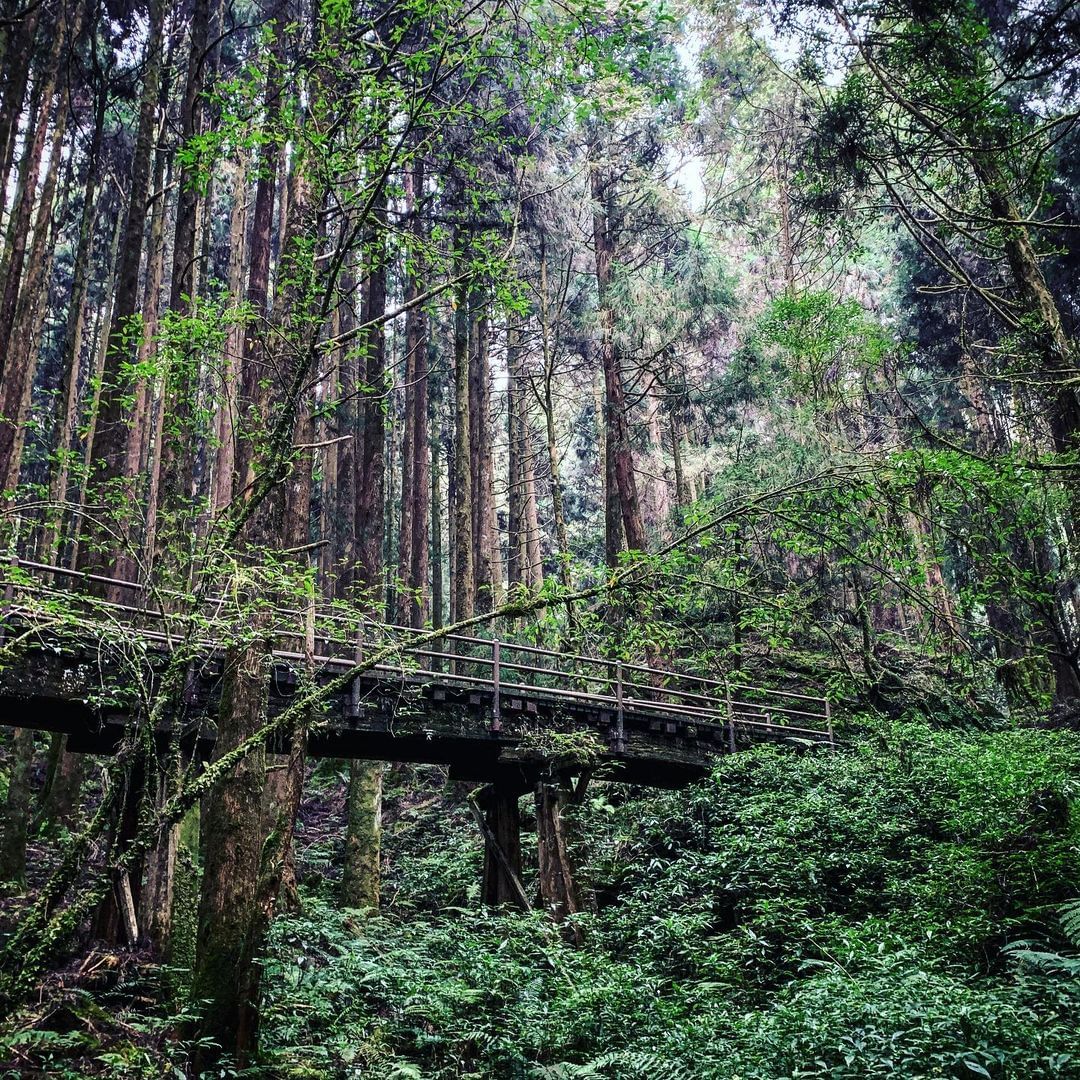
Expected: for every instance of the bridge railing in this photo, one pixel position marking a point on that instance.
(514, 674)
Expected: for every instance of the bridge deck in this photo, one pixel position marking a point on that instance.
(484, 706)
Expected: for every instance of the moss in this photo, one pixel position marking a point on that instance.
(185, 922)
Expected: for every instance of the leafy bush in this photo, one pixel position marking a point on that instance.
(823, 915)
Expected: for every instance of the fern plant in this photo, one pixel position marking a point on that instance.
(1058, 963)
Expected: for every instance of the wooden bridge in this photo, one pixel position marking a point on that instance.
(478, 704)
(506, 713)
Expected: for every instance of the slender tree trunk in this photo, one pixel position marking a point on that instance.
(682, 497)
(562, 534)
(225, 434)
(464, 580)
(177, 445)
(71, 355)
(488, 574)
(16, 820)
(360, 876)
(417, 345)
(516, 555)
(18, 227)
(21, 366)
(436, 506)
(144, 430)
(617, 423)
(97, 368)
(20, 39)
(350, 449)
(109, 454)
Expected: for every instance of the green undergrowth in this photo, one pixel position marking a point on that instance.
(891, 909)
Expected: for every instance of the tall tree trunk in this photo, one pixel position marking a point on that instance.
(463, 578)
(98, 348)
(436, 505)
(225, 434)
(16, 819)
(524, 561)
(21, 366)
(360, 876)
(17, 234)
(487, 570)
(350, 448)
(19, 225)
(111, 435)
(417, 345)
(147, 415)
(178, 456)
(232, 830)
(617, 422)
(20, 37)
(71, 354)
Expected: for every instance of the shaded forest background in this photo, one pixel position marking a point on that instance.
(737, 339)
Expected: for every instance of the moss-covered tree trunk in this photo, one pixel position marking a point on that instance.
(16, 820)
(363, 836)
(232, 817)
(232, 833)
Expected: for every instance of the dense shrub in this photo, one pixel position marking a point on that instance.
(823, 915)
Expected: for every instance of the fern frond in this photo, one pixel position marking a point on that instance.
(1070, 921)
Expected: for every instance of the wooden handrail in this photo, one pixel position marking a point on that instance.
(609, 687)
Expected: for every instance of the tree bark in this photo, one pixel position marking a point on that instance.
(361, 875)
(616, 421)
(17, 809)
(557, 887)
(503, 820)
(178, 454)
(109, 455)
(232, 822)
(463, 580)
(71, 355)
(225, 433)
(21, 367)
(487, 568)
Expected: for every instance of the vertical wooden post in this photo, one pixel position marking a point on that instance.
(828, 721)
(620, 728)
(730, 716)
(500, 824)
(354, 688)
(496, 717)
(556, 876)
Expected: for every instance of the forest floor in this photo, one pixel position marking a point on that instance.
(899, 907)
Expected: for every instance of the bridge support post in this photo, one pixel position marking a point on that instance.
(111, 923)
(500, 822)
(557, 888)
